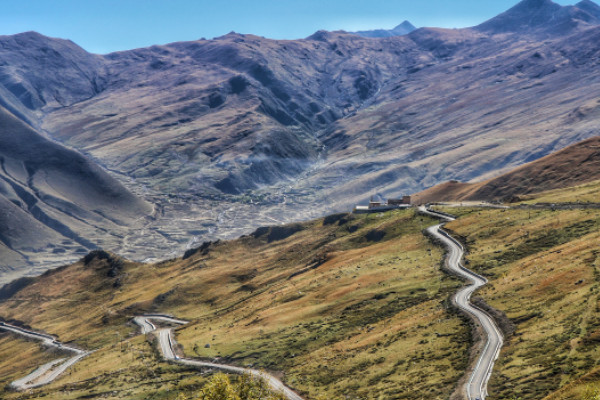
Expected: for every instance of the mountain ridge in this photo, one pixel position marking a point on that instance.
(575, 165)
(543, 17)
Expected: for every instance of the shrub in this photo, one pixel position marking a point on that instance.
(219, 388)
(246, 387)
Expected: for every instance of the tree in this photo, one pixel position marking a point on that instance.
(218, 388)
(249, 387)
(246, 387)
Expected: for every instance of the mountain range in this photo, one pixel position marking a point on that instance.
(212, 138)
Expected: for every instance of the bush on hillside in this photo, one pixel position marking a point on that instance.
(245, 388)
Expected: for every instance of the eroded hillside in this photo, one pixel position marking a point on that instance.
(55, 204)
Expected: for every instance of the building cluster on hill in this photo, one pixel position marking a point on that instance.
(377, 204)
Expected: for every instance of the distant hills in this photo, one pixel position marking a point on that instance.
(575, 165)
(225, 135)
(403, 29)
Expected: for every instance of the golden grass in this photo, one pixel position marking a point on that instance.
(338, 308)
(586, 193)
(128, 369)
(20, 357)
(544, 275)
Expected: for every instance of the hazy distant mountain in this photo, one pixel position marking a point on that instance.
(228, 134)
(403, 29)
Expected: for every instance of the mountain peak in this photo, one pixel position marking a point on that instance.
(405, 26)
(587, 3)
(543, 16)
(403, 29)
(537, 4)
(29, 36)
(321, 36)
(590, 7)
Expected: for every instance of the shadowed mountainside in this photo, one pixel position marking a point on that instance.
(575, 165)
(228, 134)
(55, 202)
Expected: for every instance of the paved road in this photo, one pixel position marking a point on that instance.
(167, 342)
(476, 387)
(49, 371)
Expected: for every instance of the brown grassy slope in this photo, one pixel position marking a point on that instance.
(543, 272)
(20, 357)
(586, 193)
(585, 388)
(575, 165)
(349, 305)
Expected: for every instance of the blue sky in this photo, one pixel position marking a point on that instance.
(102, 26)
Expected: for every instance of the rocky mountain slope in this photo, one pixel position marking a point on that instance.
(575, 165)
(54, 203)
(228, 134)
(544, 18)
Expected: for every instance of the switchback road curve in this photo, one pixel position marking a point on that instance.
(476, 387)
(166, 343)
(48, 372)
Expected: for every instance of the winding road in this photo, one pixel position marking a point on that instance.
(48, 372)
(167, 342)
(476, 387)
